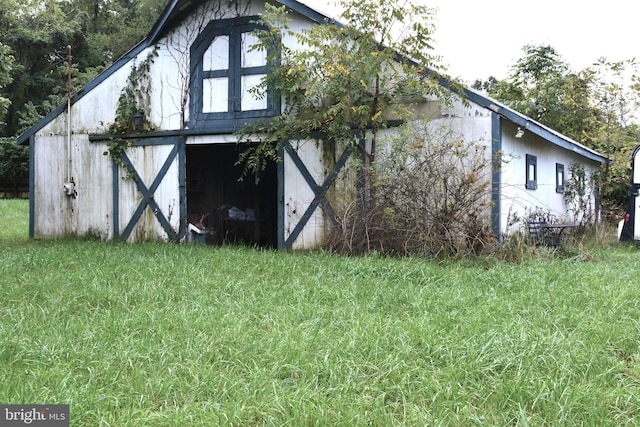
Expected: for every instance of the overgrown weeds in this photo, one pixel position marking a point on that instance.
(154, 334)
(429, 195)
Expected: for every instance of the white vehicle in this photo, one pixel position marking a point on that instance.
(629, 227)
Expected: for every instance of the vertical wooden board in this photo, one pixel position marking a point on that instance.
(343, 192)
(170, 80)
(518, 201)
(128, 196)
(299, 195)
(92, 173)
(167, 195)
(50, 214)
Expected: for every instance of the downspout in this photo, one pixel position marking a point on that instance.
(496, 175)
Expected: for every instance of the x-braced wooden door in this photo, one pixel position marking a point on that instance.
(149, 194)
(318, 191)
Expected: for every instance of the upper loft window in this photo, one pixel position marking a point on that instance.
(223, 70)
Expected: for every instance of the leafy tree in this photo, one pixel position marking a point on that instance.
(345, 80)
(542, 86)
(35, 36)
(14, 166)
(39, 33)
(6, 63)
(594, 106)
(485, 85)
(609, 103)
(536, 83)
(616, 100)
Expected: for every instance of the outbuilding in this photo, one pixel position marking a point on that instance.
(190, 80)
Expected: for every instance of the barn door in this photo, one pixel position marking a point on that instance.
(149, 190)
(318, 191)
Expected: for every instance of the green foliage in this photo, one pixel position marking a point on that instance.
(537, 85)
(14, 166)
(616, 134)
(134, 101)
(595, 107)
(579, 190)
(344, 79)
(6, 64)
(39, 33)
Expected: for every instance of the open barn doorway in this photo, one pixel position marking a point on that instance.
(236, 211)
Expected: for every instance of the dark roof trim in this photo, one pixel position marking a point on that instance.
(177, 8)
(534, 127)
(174, 10)
(24, 138)
(306, 11)
(160, 25)
(526, 122)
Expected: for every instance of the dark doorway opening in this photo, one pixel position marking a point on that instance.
(238, 211)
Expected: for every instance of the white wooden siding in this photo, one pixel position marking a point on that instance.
(517, 200)
(167, 109)
(57, 214)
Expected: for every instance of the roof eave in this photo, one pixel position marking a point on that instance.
(165, 19)
(160, 28)
(308, 12)
(24, 138)
(534, 127)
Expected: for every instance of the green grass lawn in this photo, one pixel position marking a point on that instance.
(161, 334)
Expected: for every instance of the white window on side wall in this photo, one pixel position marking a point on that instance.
(559, 178)
(531, 172)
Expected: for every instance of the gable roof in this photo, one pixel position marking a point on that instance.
(177, 10)
(172, 15)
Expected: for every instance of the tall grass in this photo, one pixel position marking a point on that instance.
(14, 219)
(162, 334)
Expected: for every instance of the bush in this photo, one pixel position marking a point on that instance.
(14, 166)
(430, 195)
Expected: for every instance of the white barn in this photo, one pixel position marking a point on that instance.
(193, 94)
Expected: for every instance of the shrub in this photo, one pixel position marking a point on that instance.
(14, 166)
(430, 195)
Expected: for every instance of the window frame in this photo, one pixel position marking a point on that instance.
(531, 162)
(234, 28)
(560, 178)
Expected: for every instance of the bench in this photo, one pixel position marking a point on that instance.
(548, 234)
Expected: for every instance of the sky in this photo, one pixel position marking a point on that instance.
(477, 39)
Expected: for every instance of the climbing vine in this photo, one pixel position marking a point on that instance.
(580, 189)
(134, 106)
